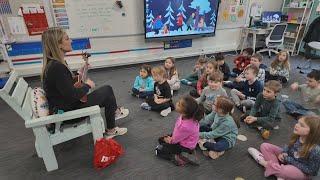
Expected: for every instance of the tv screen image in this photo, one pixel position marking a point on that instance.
(271, 17)
(176, 18)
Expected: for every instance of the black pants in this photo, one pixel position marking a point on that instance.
(104, 97)
(144, 94)
(158, 107)
(167, 151)
(189, 28)
(269, 77)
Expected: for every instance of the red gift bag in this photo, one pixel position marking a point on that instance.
(106, 151)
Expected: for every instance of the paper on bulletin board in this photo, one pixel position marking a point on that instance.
(17, 25)
(318, 8)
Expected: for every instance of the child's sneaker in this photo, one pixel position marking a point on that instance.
(200, 143)
(265, 133)
(178, 161)
(257, 155)
(190, 158)
(184, 81)
(215, 155)
(165, 112)
(145, 106)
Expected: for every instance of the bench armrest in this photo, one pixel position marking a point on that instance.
(69, 115)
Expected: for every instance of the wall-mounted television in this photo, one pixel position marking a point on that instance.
(178, 19)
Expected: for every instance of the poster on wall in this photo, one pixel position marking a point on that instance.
(5, 7)
(60, 14)
(232, 13)
(34, 18)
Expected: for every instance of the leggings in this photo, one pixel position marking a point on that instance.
(104, 97)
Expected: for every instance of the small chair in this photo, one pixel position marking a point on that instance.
(275, 39)
(306, 66)
(17, 94)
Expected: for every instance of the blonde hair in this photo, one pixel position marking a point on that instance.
(312, 138)
(159, 70)
(51, 38)
(286, 63)
(274, 85)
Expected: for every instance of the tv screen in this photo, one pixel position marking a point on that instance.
(271, 17)
(178, 18)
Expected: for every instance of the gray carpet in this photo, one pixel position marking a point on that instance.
(75, 158)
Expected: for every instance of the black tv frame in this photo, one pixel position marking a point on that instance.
(178, 37)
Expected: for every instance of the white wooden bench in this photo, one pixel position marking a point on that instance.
(17, 94)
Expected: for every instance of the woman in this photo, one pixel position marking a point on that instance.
(58, 83)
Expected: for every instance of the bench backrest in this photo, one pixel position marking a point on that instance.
(17, 94)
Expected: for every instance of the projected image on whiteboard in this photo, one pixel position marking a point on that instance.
(167, 18)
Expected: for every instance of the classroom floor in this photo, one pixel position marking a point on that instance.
(75, 158)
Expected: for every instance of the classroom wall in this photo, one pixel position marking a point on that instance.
(224, 40)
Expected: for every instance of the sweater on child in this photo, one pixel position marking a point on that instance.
(222, 127)
(309, 96)
(266, 111)
(241, 62)
(145, 83)
(309, 165)
(209, 95)
(186, 133)
(280, 70)
(251, 90)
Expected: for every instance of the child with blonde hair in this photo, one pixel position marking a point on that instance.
(143, 84)
(280, 68)
(172, 73)
(161, 101)
(298, 160)
(198, 69)
(180, 145)
(218, 130)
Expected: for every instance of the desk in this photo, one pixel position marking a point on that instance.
(254, 32)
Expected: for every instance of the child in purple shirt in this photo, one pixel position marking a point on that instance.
(179, 146)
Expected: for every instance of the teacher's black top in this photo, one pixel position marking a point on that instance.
(58, 83)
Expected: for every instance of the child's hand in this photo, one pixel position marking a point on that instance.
(167, 139)
(282, 156)
(250, 119)
(242, 96)
(90, 83)
(238, 79)
(294, 86)
(318, 100)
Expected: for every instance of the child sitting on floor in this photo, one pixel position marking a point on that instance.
(310, 94)
(266, 110)
(179, 146)
(212, 91)
(218, 130)
(280, 68)
(143, 84)
(242, 61)
(245, 98)
(298, 160)
(161, 101)
(172, 73)
(211, 67)
(223, 67)
(256, 60)
(197, 72)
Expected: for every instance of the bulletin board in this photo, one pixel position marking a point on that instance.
(99, 18)
(232, 13)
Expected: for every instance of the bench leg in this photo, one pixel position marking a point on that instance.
(36, 145)
(46, 148)
(97, 127)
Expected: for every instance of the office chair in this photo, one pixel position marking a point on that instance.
(307, 65)
(275, 39)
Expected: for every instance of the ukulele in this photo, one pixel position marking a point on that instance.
(83, 74)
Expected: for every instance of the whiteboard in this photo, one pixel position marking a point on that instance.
(232, 14)
(103, 18)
